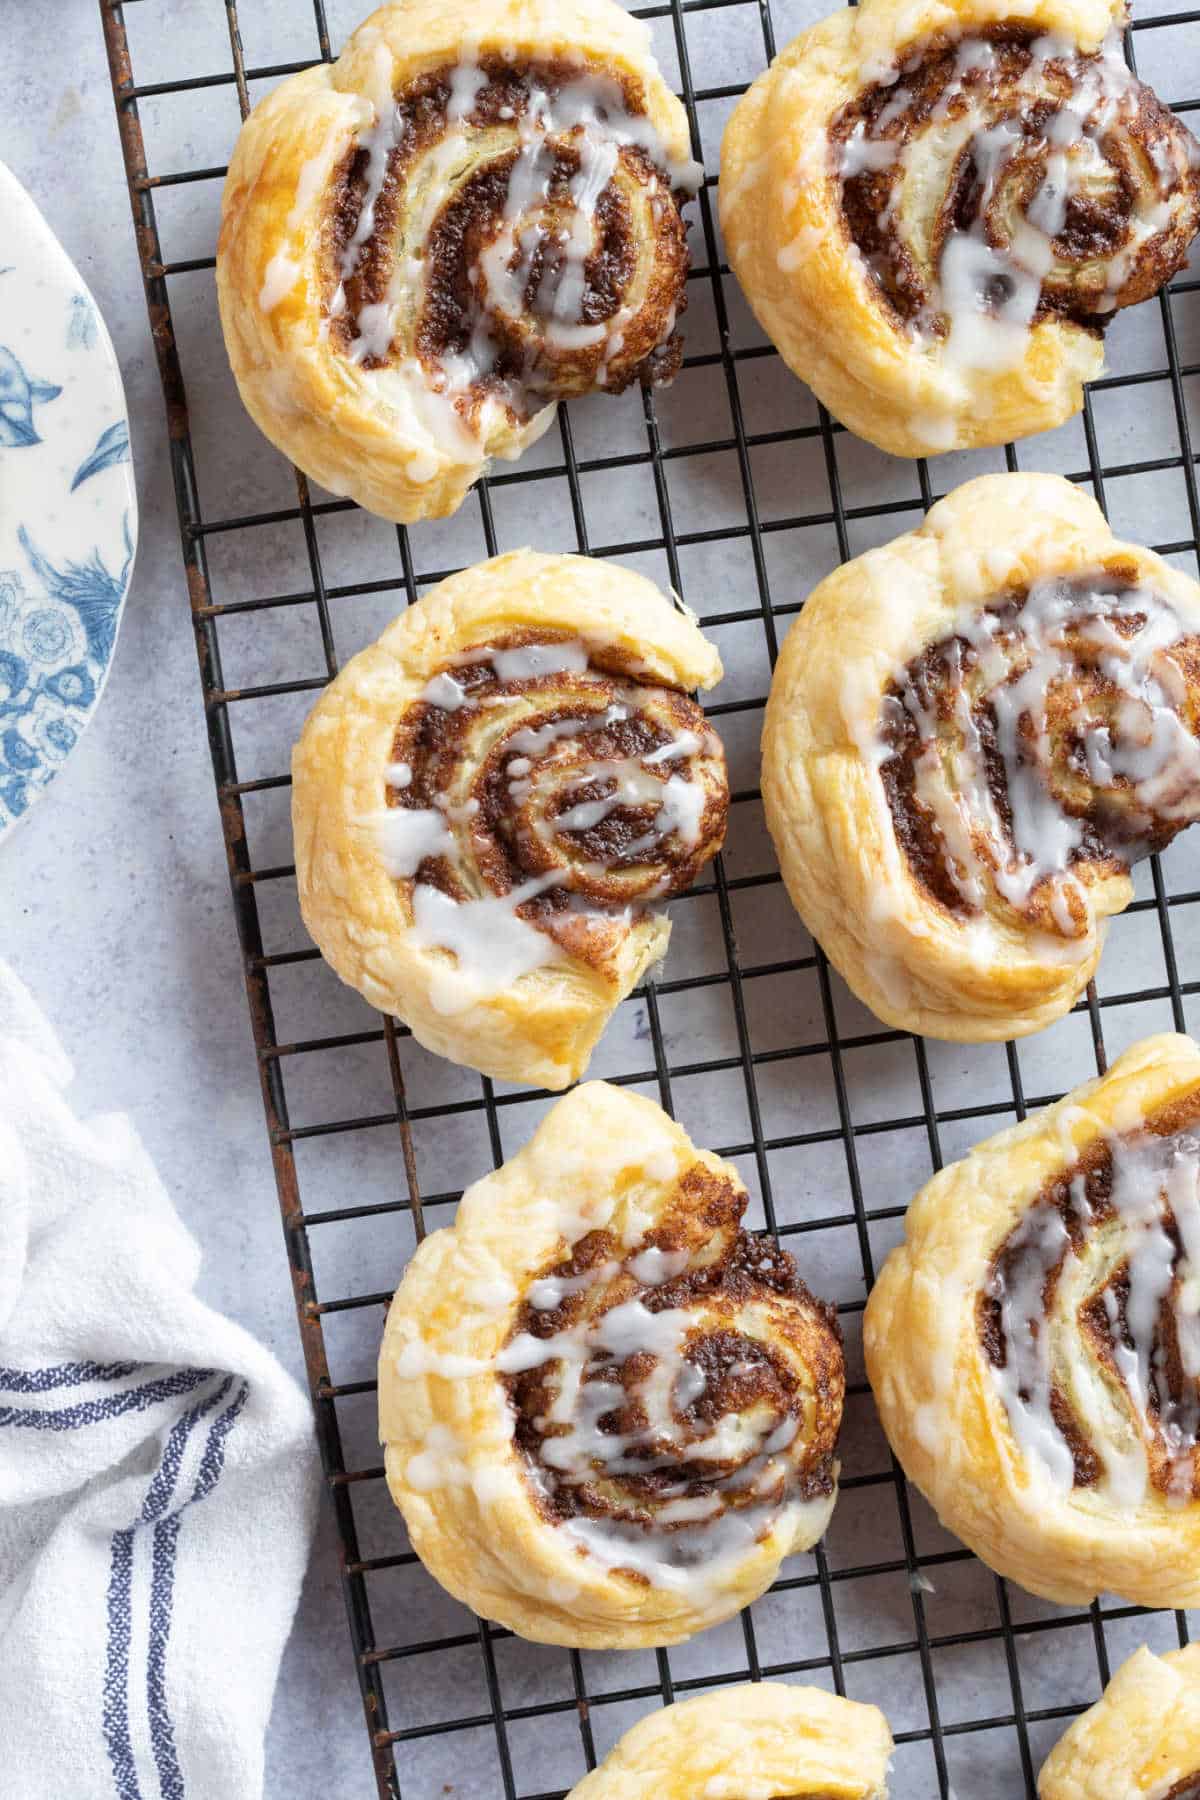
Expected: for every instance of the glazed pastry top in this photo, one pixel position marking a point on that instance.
(671, 1403)
(609, 1410)
(935, 207)
(973, 733)
(1106, 1253)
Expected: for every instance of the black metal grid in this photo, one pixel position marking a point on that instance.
(978, 1703)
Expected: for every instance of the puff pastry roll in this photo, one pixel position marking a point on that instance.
(488, 801)
(1034, 1345)
(474, 213)
(608, 1411)
(971, 734)
(1141, 1738)
(935, 207)
(764, 1739)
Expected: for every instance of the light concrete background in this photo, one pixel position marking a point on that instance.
(114, 903)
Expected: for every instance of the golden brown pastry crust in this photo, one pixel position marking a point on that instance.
(612, 1240)
(858, 320)
(1123, 1515)
(1142, 1736)
(290, 274)
(916, 953)
(764, 1739)
(540, 1026)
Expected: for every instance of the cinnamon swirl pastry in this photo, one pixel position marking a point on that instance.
(935, 210)
(474, 213)
(1141, 1738)
(608, 1411)
(488, 803)
(1034, 1345)
(763, 1739)
(972, 733)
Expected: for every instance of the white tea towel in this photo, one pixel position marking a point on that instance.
(158, 1477)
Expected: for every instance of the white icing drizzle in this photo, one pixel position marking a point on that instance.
(654, 1266)
(427, 418)
(282, 274)
(550, 1292)
(493, 944)
(407, 835)
(1026, 1380)
(685, 743)
(661, 1165)
(445, 692)
(528, 661)
(1155, 1182)
(533, 739)
(679, 805)
(467, 81)
(1147, 754)
(986, 292)
(378, 140)
(861, 152)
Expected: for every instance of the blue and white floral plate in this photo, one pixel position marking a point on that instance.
(68, 508)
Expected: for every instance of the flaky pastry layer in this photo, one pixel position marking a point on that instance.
(1142, 1737)
(765, 1739)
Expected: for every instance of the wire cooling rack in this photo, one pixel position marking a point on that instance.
(735, 489)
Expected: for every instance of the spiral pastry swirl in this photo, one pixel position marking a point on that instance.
(958, 805)
(1141, 1737)
(430, 242)
(1034, 1346)
(980, 200)
(546, 768)
(1044, 744)
(488, 803)
(599, 1376)
(767, 1738)
(674, 1388)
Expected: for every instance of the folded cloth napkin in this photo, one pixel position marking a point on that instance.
(158, 1478)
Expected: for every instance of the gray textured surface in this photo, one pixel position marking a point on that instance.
(114, 903)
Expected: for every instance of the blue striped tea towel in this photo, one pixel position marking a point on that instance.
(157, 1472)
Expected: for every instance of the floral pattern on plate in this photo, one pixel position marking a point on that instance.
(68, 510)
